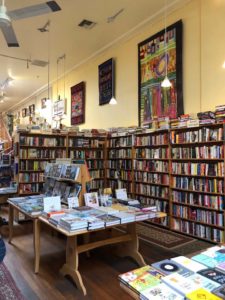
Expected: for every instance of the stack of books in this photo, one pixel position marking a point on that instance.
(220, 113)
(201, 277)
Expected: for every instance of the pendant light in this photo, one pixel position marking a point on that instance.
(113, 101)
(166, 82)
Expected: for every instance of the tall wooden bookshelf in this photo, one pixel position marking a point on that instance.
(197, 182)
(151, 171)
(91, 149)
(32, 152)
(119, 164)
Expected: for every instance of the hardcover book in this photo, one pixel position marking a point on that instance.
(205, 260)
(204, 282)
(168, 266)
(134, 274)
(201, 294)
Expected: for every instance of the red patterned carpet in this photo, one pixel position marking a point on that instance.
(8, 288)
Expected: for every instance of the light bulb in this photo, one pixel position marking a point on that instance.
(113, 101)
(166, 83)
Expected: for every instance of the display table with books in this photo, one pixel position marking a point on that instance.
(83, 223)
(199, 277)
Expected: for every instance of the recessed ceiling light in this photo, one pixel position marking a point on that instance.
(87, 24)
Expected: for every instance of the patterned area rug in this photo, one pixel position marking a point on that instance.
(8, 288)
(161, 237)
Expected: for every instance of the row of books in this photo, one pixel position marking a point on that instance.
(83, 143)
(151, 140)
(87, 154)
(152, 153)
(209, 201)
(199, 230)
(42, 153)
(151, 166)
(30, 188)
(204, 152)
(152, 190)
(151, 177)
(201, 277)
(203, 134)
(119, 164)
(120, 153)
(42, 141)
(127, 141)
(27, 177)
(198, 184)
(95, 164)
(26, 165)
(201, 169)
(199, 215)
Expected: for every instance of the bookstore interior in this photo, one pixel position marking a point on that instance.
(95, 204)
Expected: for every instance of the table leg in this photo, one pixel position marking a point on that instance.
(11, 219)
(71, 266)
(131, 248)
(36, 230)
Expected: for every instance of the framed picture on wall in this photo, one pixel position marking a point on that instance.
(24, 112)
(106, 81)
(32, 109)
(43, 103)
(59, 107)
(78, 103)
(156, 55)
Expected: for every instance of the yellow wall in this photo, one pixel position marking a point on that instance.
(203, 76)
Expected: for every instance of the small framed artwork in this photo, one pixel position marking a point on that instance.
(158, 56)
(32, 109)
(59, 107)
(43, 103)
(24, 112)
(78, 103)
(106, 81)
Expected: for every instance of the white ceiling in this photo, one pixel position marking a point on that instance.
(65, 37)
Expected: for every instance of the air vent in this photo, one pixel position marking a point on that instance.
(87, 24)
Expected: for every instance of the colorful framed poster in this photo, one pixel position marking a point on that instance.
(106, 80)
(153, 100)
(78, 103)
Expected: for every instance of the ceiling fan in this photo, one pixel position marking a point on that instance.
(6, 18)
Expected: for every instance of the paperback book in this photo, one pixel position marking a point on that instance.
(91, 199)
(168, 266)
(201, 294)
(214, 275)
(160, 292)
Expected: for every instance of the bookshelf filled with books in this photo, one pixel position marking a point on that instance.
(197, 181)
(119, 162)
(92, 150)
(151, 171)
(181, 171)
(32, 153)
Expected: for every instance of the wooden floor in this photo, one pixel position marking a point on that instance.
(99, 272)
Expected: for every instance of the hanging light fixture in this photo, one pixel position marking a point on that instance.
(113, 101)
(166, 82)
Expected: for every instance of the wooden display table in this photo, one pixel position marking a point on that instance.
(130, 247)
(129, 238)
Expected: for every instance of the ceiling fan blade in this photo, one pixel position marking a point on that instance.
(34, 10)
(9, 35)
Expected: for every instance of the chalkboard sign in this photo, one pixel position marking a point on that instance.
(106, 81)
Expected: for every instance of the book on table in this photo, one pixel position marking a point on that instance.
(189, 263)
(200, 294)
(168, 266)
(91, 199)
(160, 292)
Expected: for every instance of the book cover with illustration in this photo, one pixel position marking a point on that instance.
(143, 282)
(189, 263)
(91, 199)
(220, 291)
(204, 282)
(205, 260)
(214, 275)
(160, 292)
(179, 283)
(201, 294)
(134, 274)
(168, 266)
